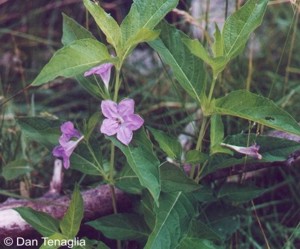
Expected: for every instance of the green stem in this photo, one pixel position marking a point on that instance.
(212, 88)
(199, 142)
(112, 153)
(117, 84)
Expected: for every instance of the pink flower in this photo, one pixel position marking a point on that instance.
(67, 144)
(251, 151)
(120, 119)
(103, 71)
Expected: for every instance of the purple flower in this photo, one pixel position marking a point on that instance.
(251, 151)
(67, 142)
(103, 71)
(120, 119)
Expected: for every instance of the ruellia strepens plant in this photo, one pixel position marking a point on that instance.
(181, 202)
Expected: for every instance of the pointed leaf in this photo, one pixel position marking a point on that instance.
(73, 59)
(173, 217)
(195, 157)
(201, 230)
(144, 14)
(83, 161)
(41, 222)
(271, 148)
(173, 179)
(147, 207)
(72, 31)
(15, 168)
(143, 162)
(43, 130)
(239, 193)
(106, 23)
(222, 219)
(187, 68)
(218, 45)
(48, 243)
(256, 108)
(71, 221)
(122, 226)
(217, 135)
(240, 24)
(189, 242)
(169, 145)
(128, 181)
(216, 63)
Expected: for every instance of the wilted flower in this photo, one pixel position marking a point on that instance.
(67, 144)
(103, 71)
(251, 151)
(120, 119)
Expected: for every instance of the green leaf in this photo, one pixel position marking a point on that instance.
(48, 244)
(73, 59)
(271, 148)
(173, 179)
(240, 24)
(143, 162)
(187, 68)
(173, 217)
(106, 23)
(169, 145)
(122, 226)
(92, 123)
(147, 207)
(72, 31)
(222, 219)
(201, 230)
(217, 135)
(144, 35)
(196, 48)
(144, 14)
(71, 221)
(43, 130)
(239, 193)
(15, 168)
(218, 45)
(41, 222)
(195, 156)
(128, 181)
(95, 244)
(188, 243)
(256, 108)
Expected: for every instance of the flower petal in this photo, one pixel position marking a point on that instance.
(103, 71)
(126, 107)
(124, 135)
(58, 151)
(251, 151)
(109, 127)
(69, 131)
(105, 76)
(109, 109)
(133, 122)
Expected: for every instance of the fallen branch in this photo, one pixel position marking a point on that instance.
(97, 203)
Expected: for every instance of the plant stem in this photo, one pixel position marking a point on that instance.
(212, 88)
(112, 153)
(199, 142)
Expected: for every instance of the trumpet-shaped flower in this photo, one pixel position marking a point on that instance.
(251, 151)
(103, 70)
(120, 119)
(67, 144)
